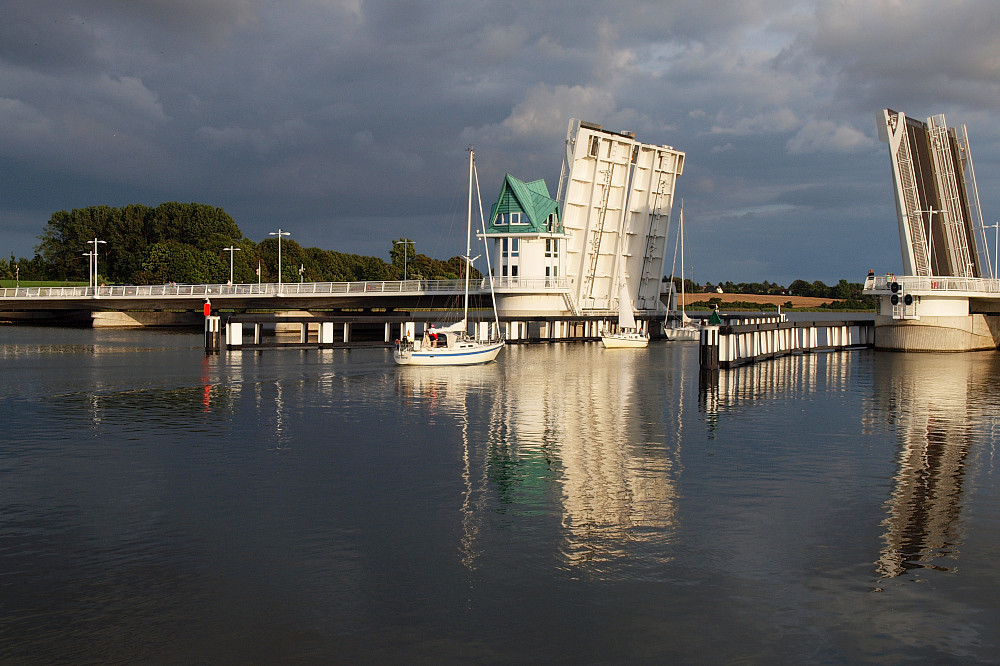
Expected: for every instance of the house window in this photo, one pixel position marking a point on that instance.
(510, 252)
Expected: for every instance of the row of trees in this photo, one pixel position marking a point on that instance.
(184, 242)
(841, 291)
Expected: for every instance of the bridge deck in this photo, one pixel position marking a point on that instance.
(371, 293)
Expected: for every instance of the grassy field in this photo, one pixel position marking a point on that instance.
(10, 284)
(766, 302)
(764, 299)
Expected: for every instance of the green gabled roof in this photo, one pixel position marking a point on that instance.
(532, 199)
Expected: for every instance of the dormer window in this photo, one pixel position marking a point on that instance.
(513, 219)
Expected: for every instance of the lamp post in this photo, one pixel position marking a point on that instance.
(996, 237)
(279, 233)
(231, 249)
(95, 242)
(930, 239)
(90, 268)
(302, 272)
(17, 275)
(405, 253)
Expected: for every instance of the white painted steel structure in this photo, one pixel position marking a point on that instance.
(937, 202)
(615, 195)
(943, 301)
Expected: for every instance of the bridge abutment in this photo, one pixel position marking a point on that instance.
(117, 319)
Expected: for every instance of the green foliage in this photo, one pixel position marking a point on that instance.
(689, 286)
(172, 261)
(133, 238)
(183, 242)
(843, 290)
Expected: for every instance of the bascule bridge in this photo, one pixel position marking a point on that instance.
(948, 296)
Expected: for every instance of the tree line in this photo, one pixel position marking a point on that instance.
(184, 243)
(842, 291)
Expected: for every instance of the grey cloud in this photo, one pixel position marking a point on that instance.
(346, 120)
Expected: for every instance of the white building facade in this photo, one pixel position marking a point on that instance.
(609, 223)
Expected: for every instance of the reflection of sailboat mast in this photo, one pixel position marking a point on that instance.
(470, 526)
(475, 494)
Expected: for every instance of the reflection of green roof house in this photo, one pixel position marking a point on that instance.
(525, 208)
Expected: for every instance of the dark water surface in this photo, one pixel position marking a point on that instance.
(565, 504)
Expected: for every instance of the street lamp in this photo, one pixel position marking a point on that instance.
(302, 272)
(95, 242)
(405, 253)
(90, 267)
(930, 239)
(279, 233)
(231, 249)
(996, 237)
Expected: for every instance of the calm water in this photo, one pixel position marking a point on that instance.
(565, 504)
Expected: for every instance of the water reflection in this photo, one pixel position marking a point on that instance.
(795, 375)
(935, 402)
(564, 424)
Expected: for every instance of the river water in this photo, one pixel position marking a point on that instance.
(566, 504)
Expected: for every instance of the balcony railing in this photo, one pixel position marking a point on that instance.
(942, 284)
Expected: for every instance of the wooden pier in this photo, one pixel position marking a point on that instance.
(751, 341)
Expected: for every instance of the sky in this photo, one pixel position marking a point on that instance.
(346, 122)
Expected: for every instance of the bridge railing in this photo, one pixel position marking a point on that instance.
(944, 283)
(284, 289)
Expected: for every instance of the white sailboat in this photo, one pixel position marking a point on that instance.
(452, 345)
(680, 327)
(627, 335)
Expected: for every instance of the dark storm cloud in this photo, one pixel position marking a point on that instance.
(345, 121)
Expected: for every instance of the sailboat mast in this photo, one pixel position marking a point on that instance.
(468, 240)
(680, 227)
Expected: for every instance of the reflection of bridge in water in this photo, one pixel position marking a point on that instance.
(938, 406)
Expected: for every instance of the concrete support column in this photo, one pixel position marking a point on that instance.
(326, 333)
(708, 355)
(234, 334)
(347, 332)
(213, 334)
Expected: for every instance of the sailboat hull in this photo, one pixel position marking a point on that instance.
(624, 340)
(682, 333)
(467, 354)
